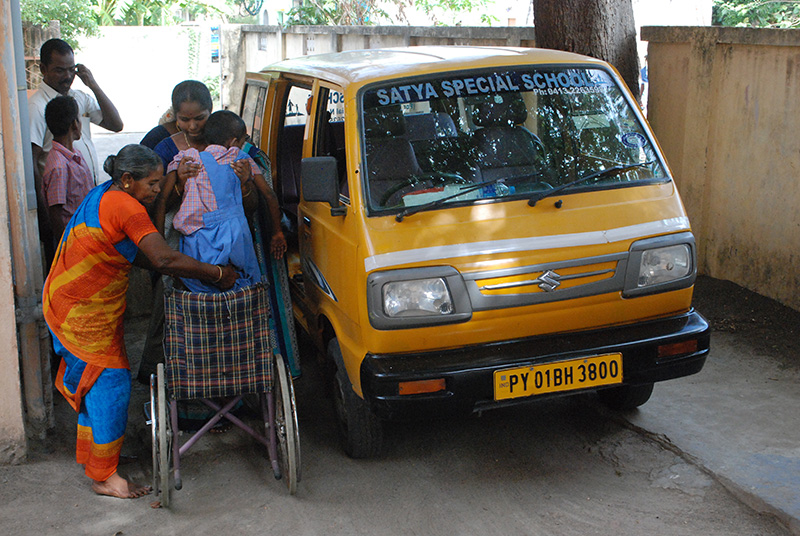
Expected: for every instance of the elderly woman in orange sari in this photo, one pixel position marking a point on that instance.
(84, 302)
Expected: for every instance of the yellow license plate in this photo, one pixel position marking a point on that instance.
(560, 376)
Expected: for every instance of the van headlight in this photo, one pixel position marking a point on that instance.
(661, 264)
(417, 297)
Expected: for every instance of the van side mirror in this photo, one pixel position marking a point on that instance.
(319, 177)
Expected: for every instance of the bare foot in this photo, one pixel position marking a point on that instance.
(116, 486)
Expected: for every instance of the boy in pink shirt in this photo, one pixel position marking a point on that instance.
(67, 178)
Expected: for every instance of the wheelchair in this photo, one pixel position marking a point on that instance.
(221, 348)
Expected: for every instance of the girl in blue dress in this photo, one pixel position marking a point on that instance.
(211, 217)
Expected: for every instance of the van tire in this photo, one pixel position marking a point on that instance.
(626, 397)
(360, 431)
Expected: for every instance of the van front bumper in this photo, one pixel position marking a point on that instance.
(469, 372)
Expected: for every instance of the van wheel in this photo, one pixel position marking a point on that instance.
(626, 396)
(360, 430)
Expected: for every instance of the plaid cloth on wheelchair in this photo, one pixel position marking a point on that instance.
(217, 345)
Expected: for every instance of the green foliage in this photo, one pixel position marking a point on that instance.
(243, 19)
(247, 7)
(448, 12)
(312, 14)
(75, 16)
(368, 12)
(148, 12)
(108, 12)
(757, 13)
(197, 9)
(488, 20)
(336, 12)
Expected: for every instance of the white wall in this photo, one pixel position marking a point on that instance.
(138, 67)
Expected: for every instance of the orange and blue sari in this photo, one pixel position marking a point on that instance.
(84, 303)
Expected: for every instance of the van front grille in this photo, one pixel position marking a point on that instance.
(541, 283)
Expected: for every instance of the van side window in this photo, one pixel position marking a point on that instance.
(253, 109)
(290, 148)
(329, 136)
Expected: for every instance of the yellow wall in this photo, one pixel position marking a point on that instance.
(725, 105)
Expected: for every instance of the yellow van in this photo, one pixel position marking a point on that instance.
(474, 227)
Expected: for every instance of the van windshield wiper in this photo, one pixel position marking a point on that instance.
(616, 170)
(433, 204)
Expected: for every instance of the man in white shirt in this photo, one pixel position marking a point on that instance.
(57, 63)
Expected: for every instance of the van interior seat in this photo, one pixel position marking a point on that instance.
(429, 126)
(505, 147)
(390, 157)
(438, 146)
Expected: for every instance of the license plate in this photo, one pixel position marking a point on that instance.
(556, 377)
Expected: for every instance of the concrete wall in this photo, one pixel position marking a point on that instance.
(12, 428)
(725, 105)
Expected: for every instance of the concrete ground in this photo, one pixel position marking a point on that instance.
(739, 418)
(737, 421)
(557, 467)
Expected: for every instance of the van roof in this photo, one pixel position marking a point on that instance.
(359, 66)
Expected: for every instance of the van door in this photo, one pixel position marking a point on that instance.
(327, 239)
(255, 104)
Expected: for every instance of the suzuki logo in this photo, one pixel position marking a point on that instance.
(549, 281)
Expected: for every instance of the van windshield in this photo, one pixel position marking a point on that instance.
(474, 137)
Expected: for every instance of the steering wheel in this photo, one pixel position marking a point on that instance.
(442, 178)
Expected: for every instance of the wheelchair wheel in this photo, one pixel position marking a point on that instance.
(152, 416)
(286, 425)
(164, 436)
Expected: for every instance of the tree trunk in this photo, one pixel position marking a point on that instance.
(603, 29)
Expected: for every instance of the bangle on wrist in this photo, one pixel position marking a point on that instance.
(217, 280)
(176, 190)
(249, 191)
